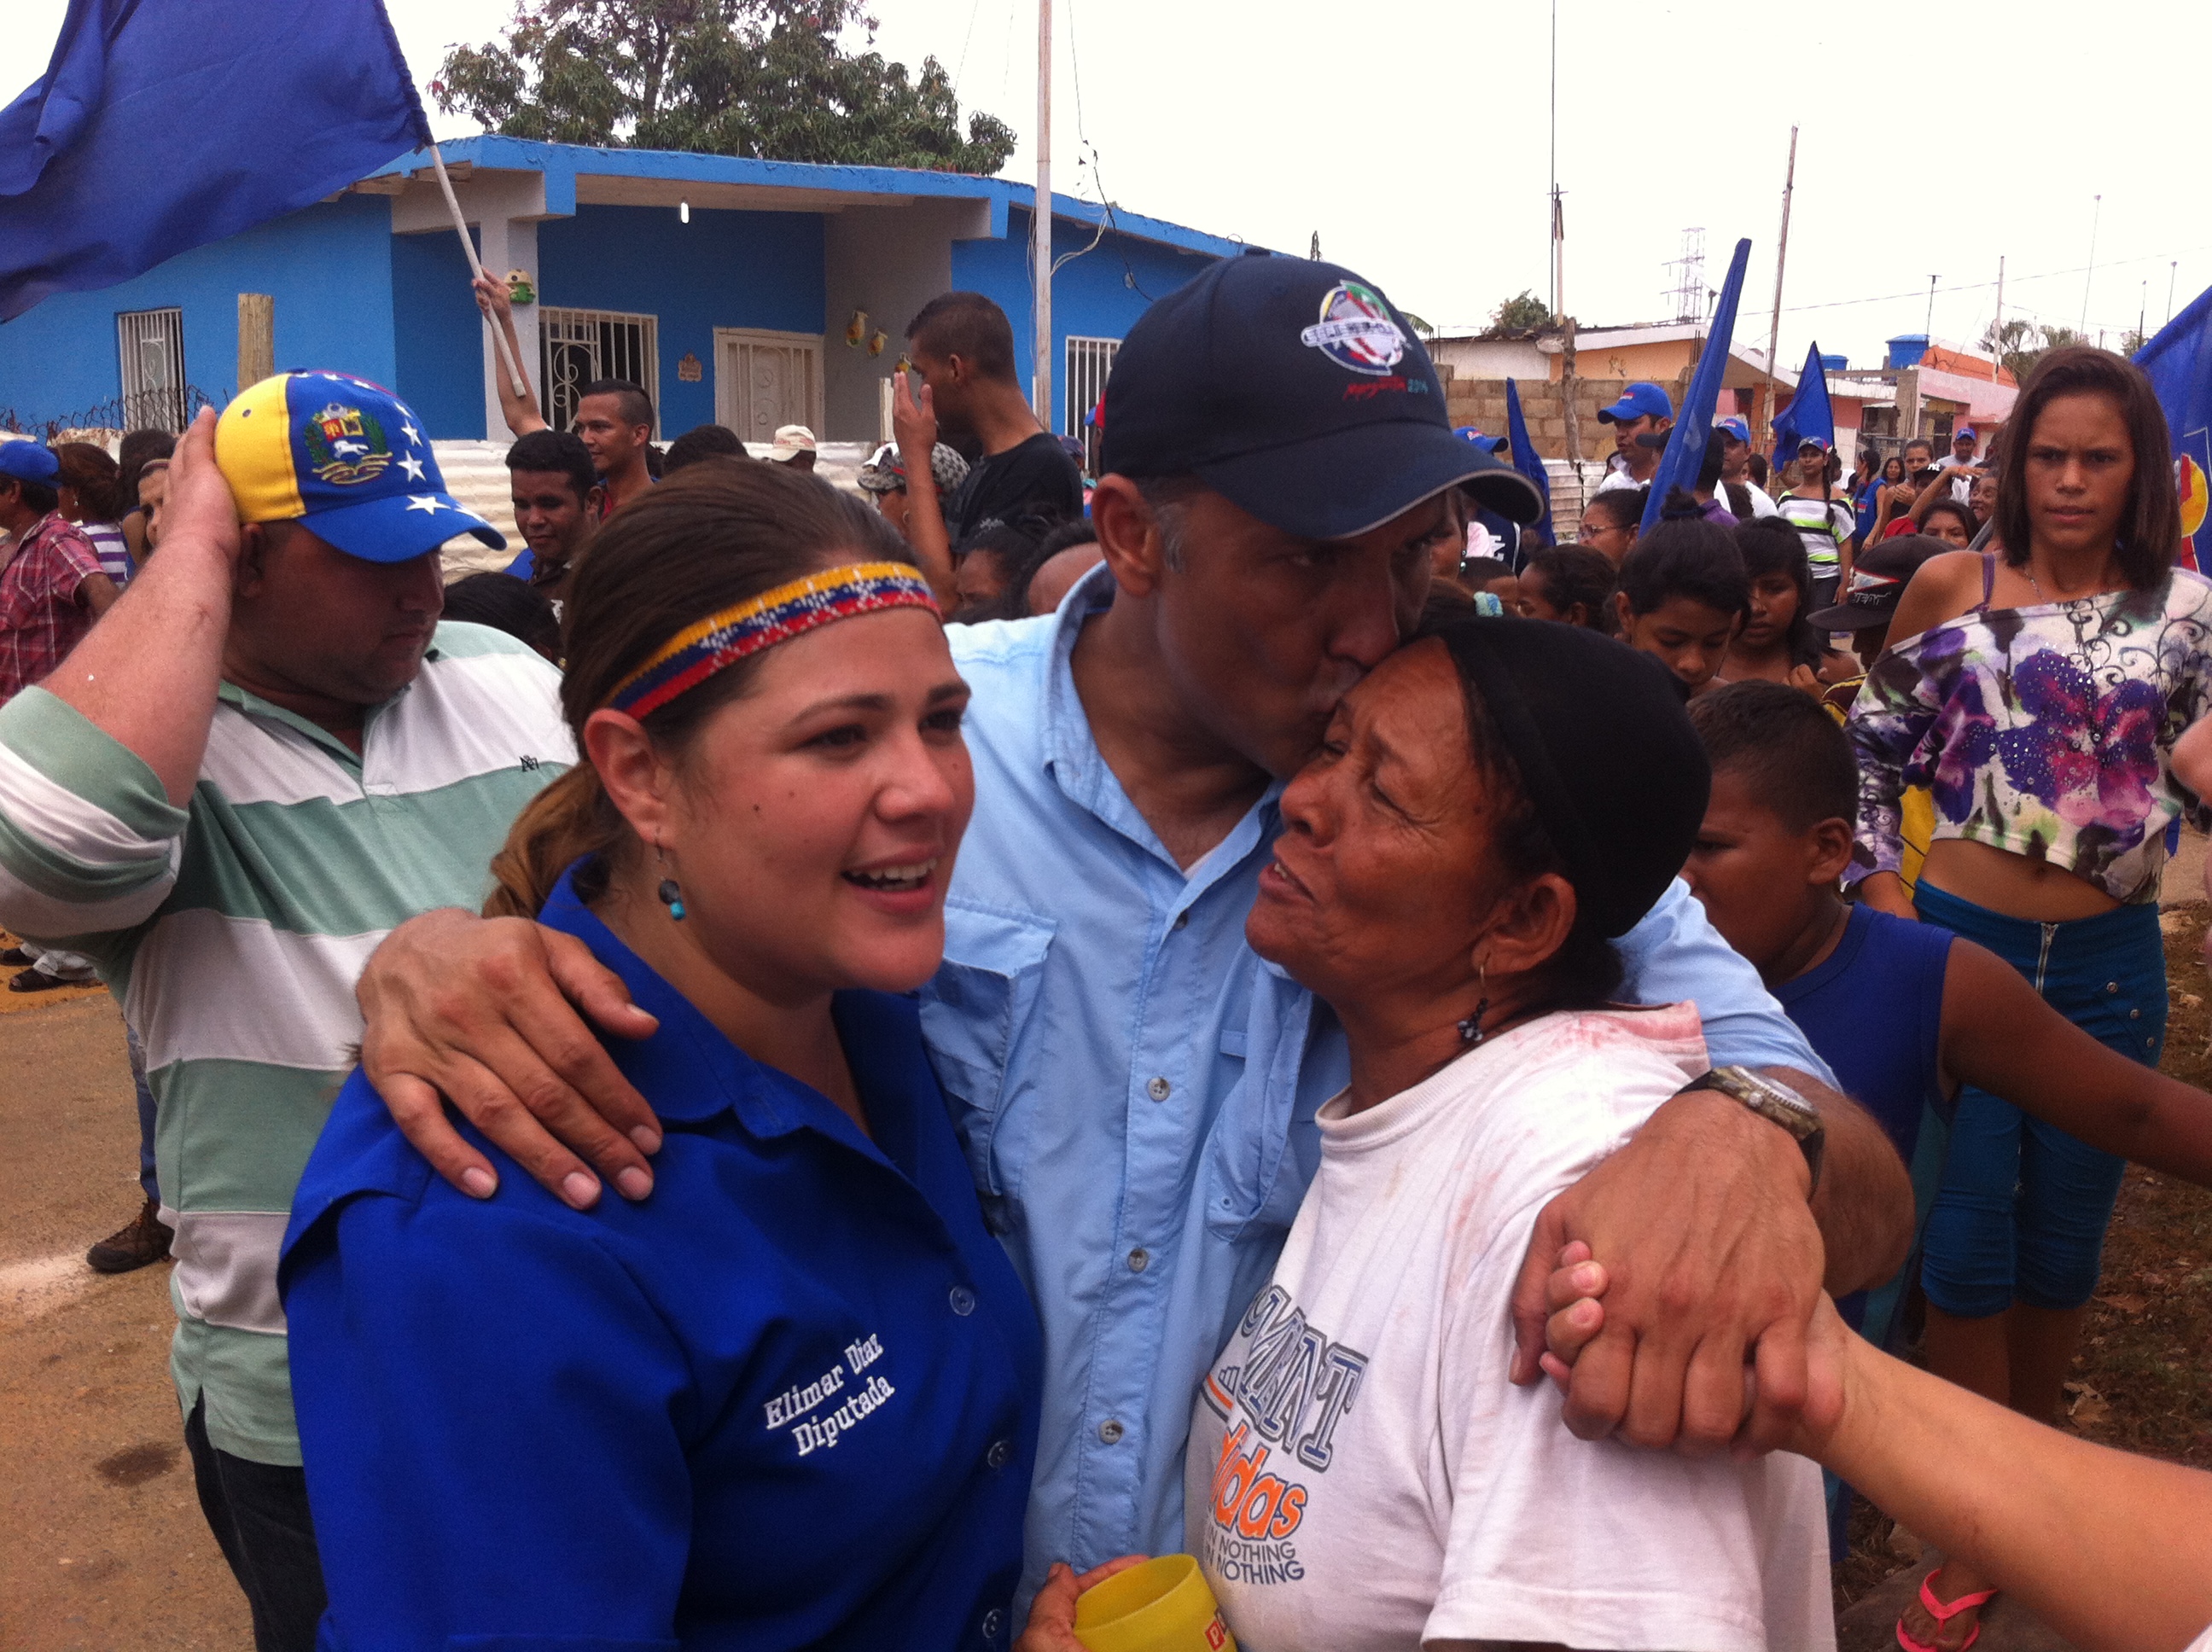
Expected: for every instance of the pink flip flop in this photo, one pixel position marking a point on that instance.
(1942, 1614)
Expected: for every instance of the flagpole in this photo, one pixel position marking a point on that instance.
(461, 228)
(1774, 329)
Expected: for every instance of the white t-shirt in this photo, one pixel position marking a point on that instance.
(1762, 502)
(1616, 476)
(1363, 1478)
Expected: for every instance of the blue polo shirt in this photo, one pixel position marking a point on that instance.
(790, 1401)
(1135, 1087)
(524, 564)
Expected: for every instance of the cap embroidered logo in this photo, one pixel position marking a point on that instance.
(1356, 332)
(346, 446)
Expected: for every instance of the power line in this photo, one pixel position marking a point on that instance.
(1973, 286)
(969, 35)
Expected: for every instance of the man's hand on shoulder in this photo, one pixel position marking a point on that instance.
(1703, 1225)
(483, 1012)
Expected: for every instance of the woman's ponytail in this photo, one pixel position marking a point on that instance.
(571, 818)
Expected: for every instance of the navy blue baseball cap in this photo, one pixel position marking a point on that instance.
(1640, 400)
(347, 459)
(29, 461)
(1736, 428)
(1297, 392)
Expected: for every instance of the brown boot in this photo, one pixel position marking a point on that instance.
(146, 1240)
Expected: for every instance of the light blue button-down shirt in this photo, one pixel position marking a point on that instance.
(1136, 1089)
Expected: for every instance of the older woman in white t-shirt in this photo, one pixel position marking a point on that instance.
(1491, 806)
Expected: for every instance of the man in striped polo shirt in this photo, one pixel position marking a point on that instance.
(267, 755)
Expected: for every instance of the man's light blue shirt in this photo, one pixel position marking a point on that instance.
(1135, 1090)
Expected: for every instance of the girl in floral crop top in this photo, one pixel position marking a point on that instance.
(2050, 696)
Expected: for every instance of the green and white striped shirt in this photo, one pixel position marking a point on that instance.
(233, 932)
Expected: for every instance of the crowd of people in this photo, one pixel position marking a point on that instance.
(1124, 1016)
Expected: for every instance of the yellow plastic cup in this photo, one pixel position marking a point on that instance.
(1162, 1605)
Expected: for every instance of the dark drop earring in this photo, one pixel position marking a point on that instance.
(1470, 1027)
(671, 895)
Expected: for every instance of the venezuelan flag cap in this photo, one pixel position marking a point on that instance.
(346, 457)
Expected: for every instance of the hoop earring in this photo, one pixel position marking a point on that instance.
(1470, 1027)
(671, 895)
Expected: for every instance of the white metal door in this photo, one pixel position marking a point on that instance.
(151, 345)
(766, 380)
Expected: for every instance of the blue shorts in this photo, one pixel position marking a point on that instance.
(2022, 1211)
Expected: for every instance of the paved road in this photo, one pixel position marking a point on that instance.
(106, 1551)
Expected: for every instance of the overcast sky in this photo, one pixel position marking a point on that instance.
(1414, 135)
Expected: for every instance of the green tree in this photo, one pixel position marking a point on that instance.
(1524, 313)
(766, 78)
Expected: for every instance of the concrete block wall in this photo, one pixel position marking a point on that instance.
(1481, 402)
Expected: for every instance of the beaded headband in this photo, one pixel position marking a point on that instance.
(719, 641)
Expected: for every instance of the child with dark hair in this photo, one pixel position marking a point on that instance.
(990, 568)
(1571, 586)
(1907, 1013)
(1779, 642)
(1684, 596)
(508, 604)
(1491, 574)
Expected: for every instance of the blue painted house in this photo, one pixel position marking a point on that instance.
(749, 293)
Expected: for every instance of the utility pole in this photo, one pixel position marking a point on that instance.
(2172, 270)
(1041, 224)
(1996, 327)
(1558, 220)
(1774, 328)
(1927, 327)
(2090, 275)
(2142, 313)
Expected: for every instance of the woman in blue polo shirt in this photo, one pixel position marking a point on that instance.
(790, 1399)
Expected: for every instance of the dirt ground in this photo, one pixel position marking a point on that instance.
(107, 1550)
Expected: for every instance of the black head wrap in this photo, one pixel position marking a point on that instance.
(1605, 754)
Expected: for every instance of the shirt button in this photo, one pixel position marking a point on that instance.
(963, 1300)
(993, 1621)
(1159, 1090)
(1000, 1450)
(1111, 1431)
(2112, 987)
(1139, 1260)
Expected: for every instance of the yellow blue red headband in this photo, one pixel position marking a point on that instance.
(719, 641)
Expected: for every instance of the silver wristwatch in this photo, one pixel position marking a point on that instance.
(1777, 1104)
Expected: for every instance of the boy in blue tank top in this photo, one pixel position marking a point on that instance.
(1904, 1013)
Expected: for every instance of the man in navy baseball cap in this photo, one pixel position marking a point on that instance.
(1277, 469)
(1296, 390)
(1640, 421)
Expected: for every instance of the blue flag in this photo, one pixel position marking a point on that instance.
(162, 125)
(1686, 448)
(1530, 464)
(1809, 413)
(2179, 363)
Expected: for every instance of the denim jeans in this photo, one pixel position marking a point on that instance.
(258, 1514)
(2022, 1208)
(145, 1117)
